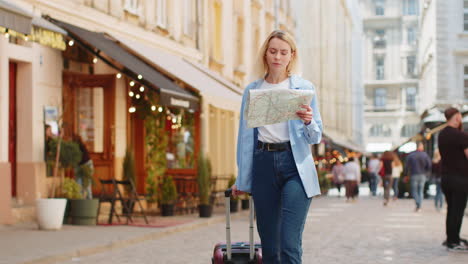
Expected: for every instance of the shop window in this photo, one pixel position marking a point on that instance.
(90, 117)
(180, 128)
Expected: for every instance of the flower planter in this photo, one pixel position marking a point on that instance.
(205, 210)
(167, 210)
(50, 213)
(84, 211)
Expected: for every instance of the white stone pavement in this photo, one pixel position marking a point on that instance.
(336, 232)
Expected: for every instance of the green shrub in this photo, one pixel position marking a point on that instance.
(204, 180)
(168, 191)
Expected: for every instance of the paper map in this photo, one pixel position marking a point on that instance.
(271, 106)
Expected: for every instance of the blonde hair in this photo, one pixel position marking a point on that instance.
(261, 67)
(396, 160)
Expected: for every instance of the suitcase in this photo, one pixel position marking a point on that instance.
(240, 252)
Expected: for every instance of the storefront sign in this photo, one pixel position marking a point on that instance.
(48, 38)
(179, 102)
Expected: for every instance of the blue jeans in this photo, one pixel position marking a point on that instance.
(281, 205)
(439, 197)
(417, 188)
(373, 182)
(395, 187)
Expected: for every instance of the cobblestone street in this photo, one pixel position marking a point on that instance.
(336, 232)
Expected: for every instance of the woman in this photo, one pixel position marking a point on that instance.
(386, 165)
(338, 175)
(436, 178)
(282, 184)
(397, 169)
(85, 166)
(352, 174)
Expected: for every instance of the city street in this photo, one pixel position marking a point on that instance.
(336, 232)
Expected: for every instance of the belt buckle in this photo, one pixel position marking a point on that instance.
(268, 148)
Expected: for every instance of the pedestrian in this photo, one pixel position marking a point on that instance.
(274, 161)
(373, 168)
(436, 178)
(397, 169)
(386, 166)
(453, 147)
(417, 168)
(338, 175)
(85, 169)
(352, 174)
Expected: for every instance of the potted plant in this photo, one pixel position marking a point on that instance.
(70, 190)
(84, 210)
(234, 204)
(205, 208)
(168, 196)
(50, 211)
(128, 174)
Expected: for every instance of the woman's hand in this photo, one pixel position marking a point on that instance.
(306, 114)
(236, 192)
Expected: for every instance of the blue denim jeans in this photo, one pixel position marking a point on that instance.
(439, 197)
(417, 188)
(281, 205)
(373, 182)
(395, 187)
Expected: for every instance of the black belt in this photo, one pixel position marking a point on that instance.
(274, 146)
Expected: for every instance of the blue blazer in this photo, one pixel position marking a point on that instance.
(300, 137)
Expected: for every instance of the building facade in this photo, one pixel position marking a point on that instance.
(392, 101)
(329, 35)
(185, 60)
(443, 54)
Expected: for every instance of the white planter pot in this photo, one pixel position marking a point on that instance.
(50, 213)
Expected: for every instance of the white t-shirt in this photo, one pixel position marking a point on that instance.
(275, 133)
(352, 171)
(396, 171)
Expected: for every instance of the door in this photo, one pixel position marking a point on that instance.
(12, 125)
(89, 111)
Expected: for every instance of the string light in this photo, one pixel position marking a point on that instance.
(71, 43)
(137, 96)
(132, 109)
(142, 89)
(140, 77)
(7, 35)
(26, 38)
(174, 120)
(132, 83)
(119, 75)
(160, 109)
(131, 94)
(95, 60)
(153, 108)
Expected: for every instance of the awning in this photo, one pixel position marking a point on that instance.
(170, 93)
(216, 93)
(15, 18)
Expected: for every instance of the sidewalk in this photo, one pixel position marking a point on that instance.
(25, 243)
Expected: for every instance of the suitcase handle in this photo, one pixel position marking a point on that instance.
(227, 195)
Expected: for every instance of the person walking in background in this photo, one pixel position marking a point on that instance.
(453, 147)
(338, 175)
(386, 165)
(373, 168)
(437, 180)
(352, 175)
(275, 162)
(418, 166)
(397, 169)
(85, 166)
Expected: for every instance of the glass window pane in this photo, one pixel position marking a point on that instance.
(90, 117)
(180, 126)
